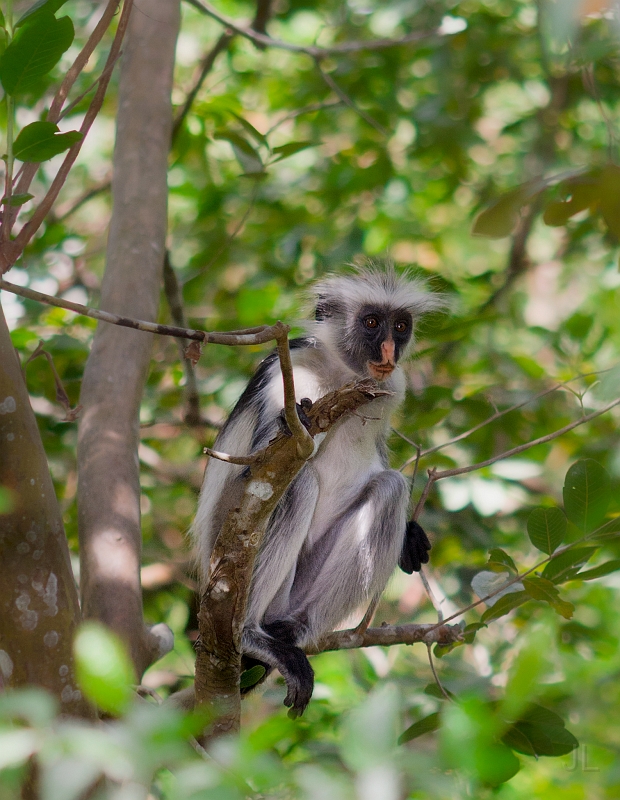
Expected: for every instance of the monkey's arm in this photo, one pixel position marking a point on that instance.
(415, 548)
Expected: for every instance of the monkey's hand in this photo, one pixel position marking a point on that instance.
(302, 407)
(415, 548)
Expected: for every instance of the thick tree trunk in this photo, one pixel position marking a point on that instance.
(38, 598)
(109, 486)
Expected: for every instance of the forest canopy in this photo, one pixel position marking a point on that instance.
(474, 144)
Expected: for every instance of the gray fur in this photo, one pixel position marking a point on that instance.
(337, 534)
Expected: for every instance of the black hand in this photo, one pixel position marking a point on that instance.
(415, 548)
(302, 407)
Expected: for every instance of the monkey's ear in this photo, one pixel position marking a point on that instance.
(322, 310)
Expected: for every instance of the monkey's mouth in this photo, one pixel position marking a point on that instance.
(380, 371)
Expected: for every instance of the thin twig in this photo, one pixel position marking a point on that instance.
(244, 461)
(11, 250)
(490, 419)
(172, 291)
(259, 335)
(205, 68)
(349, 101)
(301, 111)
(232, 236)
(367, 618)
(312, 50)
(29, 170)
(435, 675)
(70, 208)
(448, 473)
(436, 604)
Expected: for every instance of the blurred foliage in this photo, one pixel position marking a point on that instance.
(504, 122)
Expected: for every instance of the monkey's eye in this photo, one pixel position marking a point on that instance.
(401, 326)
(371, 322)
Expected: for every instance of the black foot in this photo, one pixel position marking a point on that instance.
(292, 663)
(415, 548)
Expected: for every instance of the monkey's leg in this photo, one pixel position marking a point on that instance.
(353, 559)
(275, 647)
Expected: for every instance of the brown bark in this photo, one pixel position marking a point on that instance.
(39, 608)
(109, 485)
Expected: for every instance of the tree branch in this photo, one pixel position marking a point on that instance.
(258, 335)
(10, 250)
(312, 50)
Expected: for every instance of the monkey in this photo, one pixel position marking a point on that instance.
(341, 527)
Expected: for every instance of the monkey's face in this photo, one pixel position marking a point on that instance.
(380, 336)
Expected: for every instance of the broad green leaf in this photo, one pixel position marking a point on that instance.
(419, 728)
(583, 191)
(540, 732)
(251, 676)
(546, 528)
(608, 530)
(35, 51)
(16, 200)
(598, 572)
(499, 560)
(50, 6)
(103, 668)
(41, 141)
(257, 135)
(586, 494)
(501, 217)
(505, 605)
(566, 565)
(540, 588)
(286, 150)
(491, 586)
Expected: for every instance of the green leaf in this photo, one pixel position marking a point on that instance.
(505, 605)
(286, 150)
(419, 728)
(50, 6)
(16, 200)
(598, 572)
(257, 135)
(540, 732)
(501, 217)
(41, 141)
(432, 690)
(542, 589)
(586, 494)
(250, 677)
(35, 51)
(566, 565)
(546, 528)
(499, 560)
(103, 668)
(582, 191)
(246, 155)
